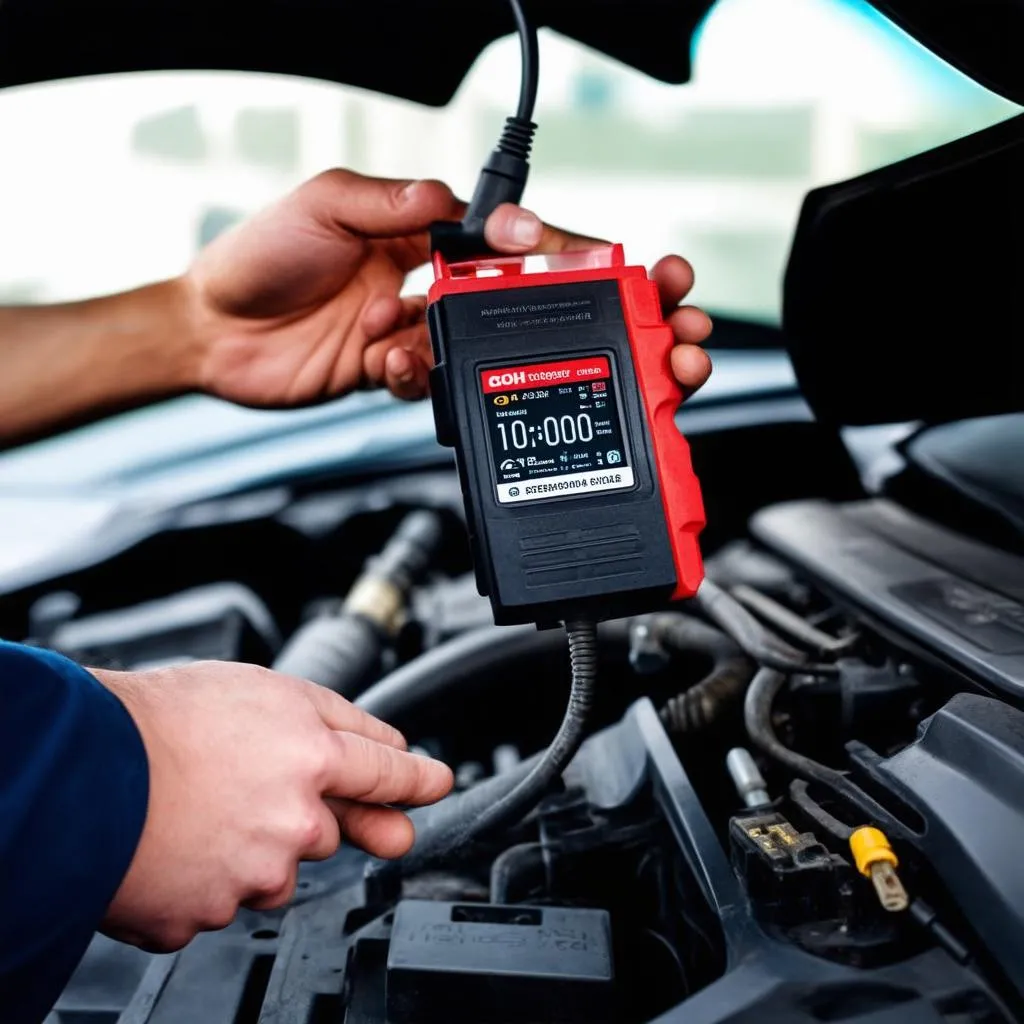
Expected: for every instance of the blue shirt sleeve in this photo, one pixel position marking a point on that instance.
(74, 788)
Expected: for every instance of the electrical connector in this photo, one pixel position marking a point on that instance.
(876, 860)
(503, 176)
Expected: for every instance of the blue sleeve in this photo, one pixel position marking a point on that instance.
(74, 788)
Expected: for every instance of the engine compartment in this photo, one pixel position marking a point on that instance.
(657, 882)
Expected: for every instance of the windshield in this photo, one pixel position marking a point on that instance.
(116, 181)
(112, 182)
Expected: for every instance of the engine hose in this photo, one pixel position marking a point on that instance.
(757, 715)
(514, 870)
(505, 799)
(466, 661)
(795, 626)
(828, 822)
(703, 703)
(343, 651)
(759, 643)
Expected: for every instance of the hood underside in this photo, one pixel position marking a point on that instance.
(422, 49)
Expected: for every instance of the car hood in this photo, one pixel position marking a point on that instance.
(422, 49)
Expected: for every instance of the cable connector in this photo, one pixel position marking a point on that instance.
(502, 180)
(503, 177)
(876, 860)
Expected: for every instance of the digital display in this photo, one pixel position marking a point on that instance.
(555, 429)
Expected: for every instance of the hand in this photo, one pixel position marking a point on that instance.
(301, 303)
(251, 772)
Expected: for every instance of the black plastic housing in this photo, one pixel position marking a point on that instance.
(452, 963)
(599, 556)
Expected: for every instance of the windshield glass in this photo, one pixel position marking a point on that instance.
(116, 181)
(112, 182)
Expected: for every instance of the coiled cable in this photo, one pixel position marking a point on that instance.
(525, 796)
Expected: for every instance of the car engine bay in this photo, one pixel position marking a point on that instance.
(847, 664)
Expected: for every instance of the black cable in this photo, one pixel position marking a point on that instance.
(528, 792)
(443, 829)
(531, 62)
(503, 177)
(829, 822)
(468, 663)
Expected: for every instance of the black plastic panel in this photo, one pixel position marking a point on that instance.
(958, 598)
(303, 975)
(965, 777)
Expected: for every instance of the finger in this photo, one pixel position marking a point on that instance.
(512, 229)
(376, 207)
(380, 368)
(690, 325)
(339, 714)
(389, 313)
(691, 366)
(378, 774)
(674, 278)
(380, 831)
(406, 375)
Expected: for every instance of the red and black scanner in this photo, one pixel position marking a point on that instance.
(552, 384)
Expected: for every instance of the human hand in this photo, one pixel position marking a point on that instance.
(302, 302)
(251, 772)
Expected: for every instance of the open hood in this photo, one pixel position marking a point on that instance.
(422, 49)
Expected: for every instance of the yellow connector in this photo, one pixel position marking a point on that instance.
(876, 860)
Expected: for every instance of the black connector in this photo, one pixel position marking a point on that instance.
(503, 177)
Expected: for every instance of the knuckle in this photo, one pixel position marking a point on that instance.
(281, 896)
(270, 882)
(308, 831)
(217, 916)
(171, 939)
(322, 758)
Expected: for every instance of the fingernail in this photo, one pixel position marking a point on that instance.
(409, 192)
(526, 229)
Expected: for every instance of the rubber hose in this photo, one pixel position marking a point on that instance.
(339, 652)
(758, 642)
(789, 622)
(465, 661)
(511, 868)
(731, 671)
(343, 651)
(757, 714)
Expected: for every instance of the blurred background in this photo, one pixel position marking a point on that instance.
(117, 181)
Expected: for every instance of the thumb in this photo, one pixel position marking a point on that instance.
(376, 207)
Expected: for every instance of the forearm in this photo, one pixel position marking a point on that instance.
(65, 364)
